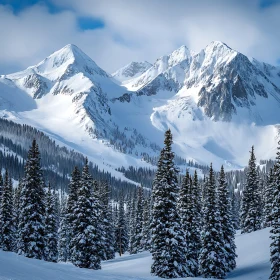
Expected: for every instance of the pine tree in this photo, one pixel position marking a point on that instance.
(51, 229)
(250, 213)
(70, 218)
(224, 205)
(212, 256)
(6, 215)
(1, 191)
(167, 244)
(132, 222)
(136, 245)
(32, 212)
(268, 200)
(85, 242)
(63, 233)
(121, 235)
(16, 213)
(190, 225)
(146, 232)
(275, 222)
(106, 219)
(236, 209)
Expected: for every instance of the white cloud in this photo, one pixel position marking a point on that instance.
(138, 30)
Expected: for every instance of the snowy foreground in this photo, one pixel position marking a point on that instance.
(252, 263)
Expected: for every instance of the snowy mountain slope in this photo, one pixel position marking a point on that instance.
(131, 71)
(252, 264)
(217, 103)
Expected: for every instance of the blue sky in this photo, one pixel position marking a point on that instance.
(115, 32)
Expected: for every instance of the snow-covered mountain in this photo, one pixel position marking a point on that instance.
(131, 71)
(217, 102)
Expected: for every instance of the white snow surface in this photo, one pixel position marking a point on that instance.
(252, 264)
(78, 104)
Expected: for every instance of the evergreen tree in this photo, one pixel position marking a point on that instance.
(268, 200)
(190, 225)
(85, 242)
(51, 230)
(236, 209)
(132, 222)
(70, 218)
(31, 219)
(63, 233)
(146, 232)
(167, 244)
(106, 219)
(275, 222)
(121, 235)
(136, 246)
(250, 213)
(6, 215)
(224, 205)
(212, 256)
(16, 213)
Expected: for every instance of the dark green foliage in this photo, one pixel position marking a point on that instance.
(212, 255)
(51, 227)
(268, 199)
(224, 205)
(6, 216)
(275, 222)
(167, 244)
(31, 240)
(85, 240)
(250, 211)
(121, 235)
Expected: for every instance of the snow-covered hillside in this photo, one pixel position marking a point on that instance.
(217, 103)
(252, 264)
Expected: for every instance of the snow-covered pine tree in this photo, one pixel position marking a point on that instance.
(106, 215)
(236, 209)
(85, 240)
(190, 225)
(16, 212)
(70, 218)
(136, 245)
(31, 240)
(121, 236)
(6, 215)
(99, 219)
(228, 231)
(131, 218)
(212, 256)
(250, 210)
(268, 200)
(51, 230)
(146, 231)
(275, 222)
(63, 233)
(168, 244)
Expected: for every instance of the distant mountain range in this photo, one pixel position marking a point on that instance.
(217, 102)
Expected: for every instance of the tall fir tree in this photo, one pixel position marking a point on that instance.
(63, 233)
(268, 199)
(6, 215)
(275, 222)
(136, 245)
(167, 243)
(190, 225)
(106, 219)
(228, 231)
(121, 235)
(70, 217)
(146, 232)
(212, 254)
(31, 240)
(132, 221)
(250, 212)
(51, 228)
(85, 240)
